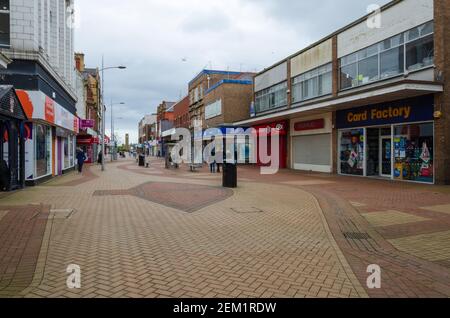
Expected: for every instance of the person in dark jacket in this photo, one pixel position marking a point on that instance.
(5, 176)
(100, 158)
(81, 158)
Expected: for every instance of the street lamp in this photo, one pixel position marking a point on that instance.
(103, 69)
(113, 152)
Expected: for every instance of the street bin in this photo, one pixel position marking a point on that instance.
(229, 175)
(141, 160)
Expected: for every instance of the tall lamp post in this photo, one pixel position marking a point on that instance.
(113, 138)
(104, 107)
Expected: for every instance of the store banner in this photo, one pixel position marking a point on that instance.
(418, 109)
(277, 128)
(40, 106)
(87, 123)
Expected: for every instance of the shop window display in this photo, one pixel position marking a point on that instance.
(352, 152)
(413, 153)
(43, 150)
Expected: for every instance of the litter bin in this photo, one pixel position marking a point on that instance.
(141, 161)
(229, 175)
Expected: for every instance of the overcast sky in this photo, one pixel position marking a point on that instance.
(166, 43)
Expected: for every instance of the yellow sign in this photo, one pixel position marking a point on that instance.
(380, 114)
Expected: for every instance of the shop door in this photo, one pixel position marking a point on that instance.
(386, 157)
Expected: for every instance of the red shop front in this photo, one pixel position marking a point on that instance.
(276, 128)
(90, 146)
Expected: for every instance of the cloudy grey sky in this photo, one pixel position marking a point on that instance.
(166, 43)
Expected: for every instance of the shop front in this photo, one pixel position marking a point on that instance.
(311, 139)
(278, 129)
(50, 137)
(393, 140)
(12, 136)
(90, 145)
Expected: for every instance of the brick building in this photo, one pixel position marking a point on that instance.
(88, 109)
(228, 100)
(181, 113)
(197, 88)
(366, 100)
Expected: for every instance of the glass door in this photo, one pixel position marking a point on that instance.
(386, 157)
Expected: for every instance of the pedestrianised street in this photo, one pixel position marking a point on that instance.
(152, 232)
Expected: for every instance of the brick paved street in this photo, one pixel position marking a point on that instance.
(138, 232)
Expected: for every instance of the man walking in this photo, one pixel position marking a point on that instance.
(81, 158)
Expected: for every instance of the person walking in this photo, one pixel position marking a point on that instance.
(100, 157)
(81, 158)
(213, 162)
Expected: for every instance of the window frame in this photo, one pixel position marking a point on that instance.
(8, 13)
(313, 76)
(270, 94)
(354, 58)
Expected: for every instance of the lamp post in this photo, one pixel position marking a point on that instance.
(104, 107)
(113, 152)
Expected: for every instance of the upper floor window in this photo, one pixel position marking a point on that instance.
(409, 51)
(270, 98)
(315, 83)
(4, 24)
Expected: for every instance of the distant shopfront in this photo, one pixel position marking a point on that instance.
(393, 140)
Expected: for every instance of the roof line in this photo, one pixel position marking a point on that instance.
(328, 37)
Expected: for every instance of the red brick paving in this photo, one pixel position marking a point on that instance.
(21, 233)
(178, 196)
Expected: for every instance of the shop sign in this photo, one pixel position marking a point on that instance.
(87, 123)
(310, 125)
(49, 110)
(279, 127)
(37, 105)
(405, 111)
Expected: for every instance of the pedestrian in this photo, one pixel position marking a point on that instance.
(5, 176)
(213, 163)
(81, 158)
(100, 158)
(219, 161)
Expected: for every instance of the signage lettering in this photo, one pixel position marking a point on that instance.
(377, 114)
(310, 125)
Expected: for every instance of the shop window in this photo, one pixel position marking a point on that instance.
(66, 153)
(315, 83)
(270, 98)
(352, 152)
(387, 58)
(392, 62)
(414, 152)
(4, 24)
(368, 70)
(349, 74)
(420, 53)
(43, 150)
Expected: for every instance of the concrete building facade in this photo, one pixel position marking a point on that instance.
(37, 36)
(368, 100)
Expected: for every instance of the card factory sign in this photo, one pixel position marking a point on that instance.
(411, 110)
